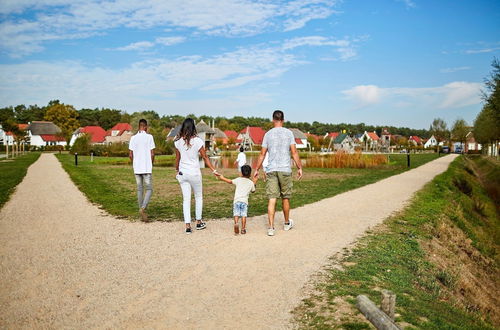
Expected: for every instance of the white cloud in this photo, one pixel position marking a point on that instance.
(169, 41)
(453, 95)
(483, 50)
(64, 19)
(345, 48)
(137, 46)
(408, 3)
(455, 69)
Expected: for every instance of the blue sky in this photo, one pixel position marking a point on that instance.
(382, 62)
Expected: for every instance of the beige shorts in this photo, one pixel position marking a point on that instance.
(279, 185)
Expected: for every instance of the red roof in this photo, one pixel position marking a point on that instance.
(256, 134)
(373, 136)
(52, 138)
(22, 127)
(121, 127)
(333, 135)
(97, 133)
(416, 139)
(298, 141)
(231, 134)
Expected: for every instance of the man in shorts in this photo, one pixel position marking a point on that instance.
(279, 143)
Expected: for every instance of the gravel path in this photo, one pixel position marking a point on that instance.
(66, 264)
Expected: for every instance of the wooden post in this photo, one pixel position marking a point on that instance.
(378, 318)
(388, 304)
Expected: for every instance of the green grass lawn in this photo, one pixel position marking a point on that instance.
(440, 256)
(110, 183)
(12, 172)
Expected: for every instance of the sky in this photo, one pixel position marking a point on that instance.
(381, 62)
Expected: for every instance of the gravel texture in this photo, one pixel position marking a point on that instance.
(64, 263)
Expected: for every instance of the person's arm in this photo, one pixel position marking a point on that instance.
(296, 159)
(223, 178)
(177, 160)
(254, 180)
(260, 161)
(131, 155)
(152, 147)
(203, 154)
(152, 156)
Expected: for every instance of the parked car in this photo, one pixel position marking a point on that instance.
(445, 150)
(458, 150)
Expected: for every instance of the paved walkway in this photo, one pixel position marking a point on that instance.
(66, 264)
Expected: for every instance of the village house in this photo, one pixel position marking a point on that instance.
(385, 139)
(205, 132)
(431, 142)
(120, 133)
(370, 140)
(97, 134)
(343, 142)
(45, 133)
(8, 138)
(415, 140)
(220, 137)
(2, 136)
(300, 138)
(470, 143)
(251, 136)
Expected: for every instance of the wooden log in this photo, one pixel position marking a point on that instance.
(388, 304)
(378, 318)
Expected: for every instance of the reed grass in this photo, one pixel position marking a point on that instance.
(342, 159)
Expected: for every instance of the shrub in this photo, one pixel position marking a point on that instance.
(81, 145)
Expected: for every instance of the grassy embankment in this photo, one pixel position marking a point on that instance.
(12, 172)
(440, 256)
(109, 182)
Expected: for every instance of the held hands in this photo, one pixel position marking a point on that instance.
(299, 174)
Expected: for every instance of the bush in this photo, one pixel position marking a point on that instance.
(82, 145)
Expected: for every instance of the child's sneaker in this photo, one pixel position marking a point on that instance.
(289, 225)
(200, 226)
(188, 231)
(270, 232)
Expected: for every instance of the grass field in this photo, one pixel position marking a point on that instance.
(440, 256)
(110, 182)
(12, 172)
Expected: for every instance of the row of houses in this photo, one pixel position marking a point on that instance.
(46, 133)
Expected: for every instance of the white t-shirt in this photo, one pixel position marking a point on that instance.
(278, 141)
(141, 145)
(244, 187)
(190, 162)
(242, 159)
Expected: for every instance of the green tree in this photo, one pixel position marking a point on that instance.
(439, 129)
(65, 116)
(109, 118)
(460, 130)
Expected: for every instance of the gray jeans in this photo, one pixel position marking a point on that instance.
(144, 189)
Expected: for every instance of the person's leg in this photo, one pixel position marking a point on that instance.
(186, 201)
(148, 185)
(243, 224)
(285, 202)
(271, 209)
(138, 180)
(197, 185)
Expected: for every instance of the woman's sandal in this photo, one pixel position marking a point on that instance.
(236, 229)
(243, 231)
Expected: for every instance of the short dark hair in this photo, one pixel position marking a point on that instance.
(246, 170)
(278, 115)
(143, 122)
(241, 149)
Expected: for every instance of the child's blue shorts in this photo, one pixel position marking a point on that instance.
(240, 209)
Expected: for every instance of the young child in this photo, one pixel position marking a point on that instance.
(244, 186)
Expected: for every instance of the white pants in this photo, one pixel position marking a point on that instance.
(188, 183)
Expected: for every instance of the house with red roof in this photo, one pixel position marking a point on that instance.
(332, 135)
(97, 134)
(45, 133)
(300, 138)
(251, 136)
(370, 140)
(9, 137)
(415, 140)
(120, 133)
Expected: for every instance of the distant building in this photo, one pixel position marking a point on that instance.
(120, 133)
(45, 133)
(470, 143)
(97, 134)
(415, 140)
(385, 139)
(370, 140)
(343, 142)
(251, 136)
(220, 136)
(300, 138)
(205, 132)
(431, 142)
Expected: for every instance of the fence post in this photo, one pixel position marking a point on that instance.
(408, 159)
(378, 318)
(388, 304)
(76, 158)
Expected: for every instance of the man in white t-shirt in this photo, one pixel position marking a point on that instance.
(241, 159)
(142, 155)
(279, 144)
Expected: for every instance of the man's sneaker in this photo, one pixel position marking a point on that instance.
(270, 232)
(188, 231)
(200, 226)
(144, 215)
(289, 225)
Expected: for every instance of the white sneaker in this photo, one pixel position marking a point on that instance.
(270, 232)
(289, 225)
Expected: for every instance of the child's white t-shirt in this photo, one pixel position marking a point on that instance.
(189, 163)
(242, 159)
(244, 187)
